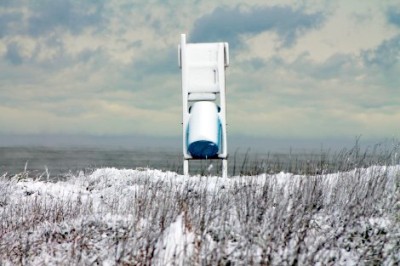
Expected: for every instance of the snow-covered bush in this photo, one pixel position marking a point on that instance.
(150, 217)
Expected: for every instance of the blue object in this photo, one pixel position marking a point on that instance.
(203, 149)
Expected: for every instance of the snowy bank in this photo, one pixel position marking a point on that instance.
(152, 217)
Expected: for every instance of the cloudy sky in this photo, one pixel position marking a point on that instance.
(299, 69)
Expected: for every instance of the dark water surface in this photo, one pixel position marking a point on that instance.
(64, 160)
(60, 161)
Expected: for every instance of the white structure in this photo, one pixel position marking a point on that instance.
(204, 106)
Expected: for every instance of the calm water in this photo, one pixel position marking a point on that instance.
(62, 161)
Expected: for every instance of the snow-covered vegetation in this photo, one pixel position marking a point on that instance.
(150, 217)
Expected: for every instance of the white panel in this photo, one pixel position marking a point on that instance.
(201, 79)
(203, 67)
(202, 53)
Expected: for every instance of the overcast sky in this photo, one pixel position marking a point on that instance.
(299, 69)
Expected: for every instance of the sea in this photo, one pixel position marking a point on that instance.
(58, 161)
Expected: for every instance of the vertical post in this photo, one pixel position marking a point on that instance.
(185, 115)
(223, 58)
(224, 168)
(185, 167)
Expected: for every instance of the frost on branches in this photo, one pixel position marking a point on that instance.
(150, 217)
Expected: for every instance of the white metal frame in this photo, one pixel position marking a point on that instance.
(197, 61)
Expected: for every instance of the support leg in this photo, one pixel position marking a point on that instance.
(185, 167)
(224, 168)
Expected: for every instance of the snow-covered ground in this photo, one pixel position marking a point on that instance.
(150, 217)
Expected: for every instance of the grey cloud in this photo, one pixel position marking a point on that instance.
(386, 55)
(47, 15)
(60, 57)
(72, 15)
(8, 3)
(333, 67)
(154, 79)
(87, 55)
(8, 21)
(13, 54)
(135, 44)
(361, 17)
(157, 63)
(393, 16)
(257, 63)
(227, 24)
(69, 110)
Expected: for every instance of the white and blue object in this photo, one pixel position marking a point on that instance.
(204, 105)
(204, 130)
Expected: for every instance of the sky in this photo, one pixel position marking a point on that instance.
(298, 69)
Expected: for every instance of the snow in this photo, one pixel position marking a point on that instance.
(146, 216)
(175, 244)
